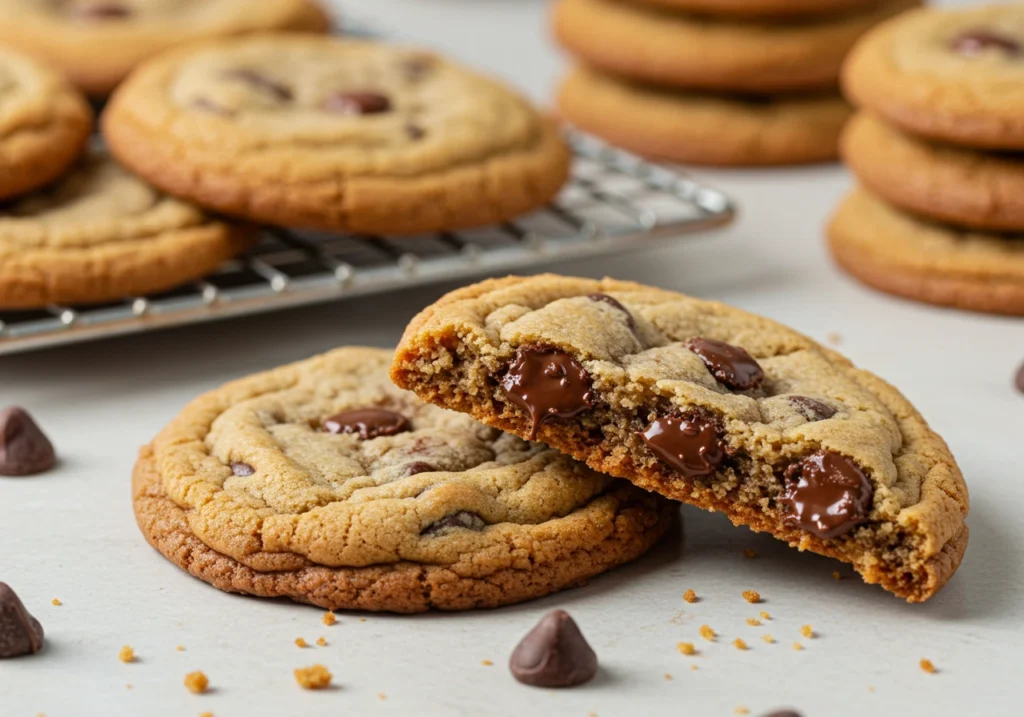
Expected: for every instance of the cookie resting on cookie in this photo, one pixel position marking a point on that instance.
(705, 404)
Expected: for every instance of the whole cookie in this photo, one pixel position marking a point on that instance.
(954, 75)
(762, 9)
(910, 257)
(324, 483)
(44, 124)
(970, 188)
(703, 128)
(698, 52)
(101, 234)
(335, 134)
(97, 43)
(706, 404)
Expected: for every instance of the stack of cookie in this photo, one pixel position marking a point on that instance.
(718, 82)
(937, 148)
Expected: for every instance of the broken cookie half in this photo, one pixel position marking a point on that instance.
(705, 404)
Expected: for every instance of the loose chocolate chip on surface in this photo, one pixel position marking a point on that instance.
(417, 467)
(975, 42)
(612, 301)
(690, 444)
(731, 365)
(554, 654)
(260, 82)
(368, 423)
(812, 409)
(102, 11)
(24, 449)
(1020, 378)
(462, 519)
(242, 469)
(20, 633)
(357, 103)
(827, 494)
(547, 383)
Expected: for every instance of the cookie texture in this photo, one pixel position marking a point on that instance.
(44, 124)
(335, 134)
(324, 483)
(97, 44)
(969, 188)
(954, 75)
(907, 256)
(705, 404)
(700, 52)
(101, 234)
(702, 128)
(762, 9)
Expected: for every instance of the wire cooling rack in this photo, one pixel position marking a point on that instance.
(614, 201)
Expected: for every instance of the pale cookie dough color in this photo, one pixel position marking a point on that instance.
(324, 483)
(334, 134)
(907, 256)
(97, 43)
(965, 187)
(44, 124)
(699, 52)
(703, 128)
(762, 9)
(101, 234)
(705, 404)
(954, 75)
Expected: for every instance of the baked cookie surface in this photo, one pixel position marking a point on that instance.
(97, 43)
(705, 404)
(324, 483)
(970, 188)
(762, 9)
(702, 128)
(954, 75)
(904, 255)
(699, 52)
(334, 134)
(101, 234)
(44, 124)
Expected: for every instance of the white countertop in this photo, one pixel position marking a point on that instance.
(70, 534)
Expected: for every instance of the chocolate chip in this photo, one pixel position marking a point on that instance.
(827, 494)
(24, 450)
(461, 519)
(368, 423)
(357, 103)
(974, 42)
(260, 82)
(20, 633)
(415, 132)
(417, 467)
(812, 409)
(731, 365)
(242, 469)
(1020, 378)
(690, 444)
(547, 383)
(611, 301)
(102, 11)
(554, 654)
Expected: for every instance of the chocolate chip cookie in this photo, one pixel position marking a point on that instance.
(44, 124)
(699, 52)
(763, 9)
(96, 43)
(335, 134)
(702, 128)
(101, 234)
(705, 404)
(324, 483)
(904, 255)
(953, 75)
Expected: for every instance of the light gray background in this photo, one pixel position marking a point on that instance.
(70, 534)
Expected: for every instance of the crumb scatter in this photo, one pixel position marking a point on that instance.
(197, 682)
(686, 648)
(690, 596)
(752, 596)
(765, 615)
(486, 663)
(749, 553)
(768, 638)
(753, 621)
(329, 619)
(321, 641)
(807, 631)
(739, 644)
(56, 602)
(316, 677)
(797, 646)
(301, 642)
(126, 654)
(707, 633)
(928, 666)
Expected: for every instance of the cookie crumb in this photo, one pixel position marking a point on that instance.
(807, 631)
(687, 648)
(56, 602)
(739, 644)
(836, 575)
(196, 682)
(752, 596)
(871, 688)
(768, 638)
(180, 648)
(300, 642)
(381, 696)
(126, 654)
(316, 677)
(741, 710)
(668, 676)
(749, 553)
(765, 615)
(927, 666)
(486, 663)
(690, 596)
(329, 619)
(753, 621)
(707, 633)
(321, 641)
(834, 338)
(797, 646)
(362, 619)
(206, 714)
(128, 686)
(694, 668)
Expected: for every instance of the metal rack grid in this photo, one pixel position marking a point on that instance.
(613, 201)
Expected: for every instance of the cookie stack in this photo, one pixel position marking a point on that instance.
(718, 82)
(937, 147)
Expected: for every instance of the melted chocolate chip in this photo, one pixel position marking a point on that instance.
(20, 633)
(1019, 380)
(547, 383)
(357, 103)
(368, 423)
(260, 82)
(554, 654)
(242, 469)
(417, 467)
(102, 11)
(731, 365)
(612, 301)
(24, 449)
(690, 444)
(461, 519)
(827, 494)
(975, 42)
(812, 409)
